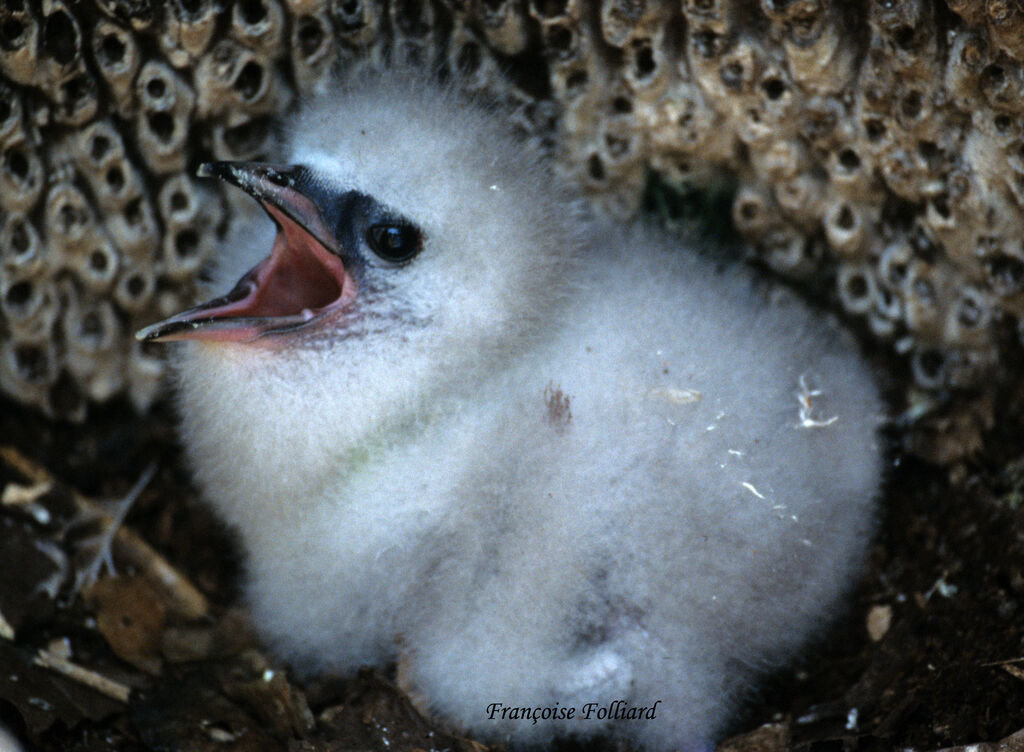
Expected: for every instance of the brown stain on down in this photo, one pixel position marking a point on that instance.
(559, 414)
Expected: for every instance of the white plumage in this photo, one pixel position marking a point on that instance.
(540, 462)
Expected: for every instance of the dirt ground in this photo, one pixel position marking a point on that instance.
(929, 655)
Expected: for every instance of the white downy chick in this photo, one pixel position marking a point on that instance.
(543, 463)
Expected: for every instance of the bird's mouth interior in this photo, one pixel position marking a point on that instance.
(301, 281)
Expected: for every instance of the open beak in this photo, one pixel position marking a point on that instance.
(302, 280)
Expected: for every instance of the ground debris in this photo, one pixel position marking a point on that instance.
(132, 617)
(42, 698)
(373, 713)
(1012, 743)
(184, 597)
(51, 659)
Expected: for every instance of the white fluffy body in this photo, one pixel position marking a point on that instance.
(560, 465)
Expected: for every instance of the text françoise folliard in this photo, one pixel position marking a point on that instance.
(618, 710)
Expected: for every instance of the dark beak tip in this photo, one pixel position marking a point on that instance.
(156, 331)
(206, 170)
(146, 334)
(227, 171)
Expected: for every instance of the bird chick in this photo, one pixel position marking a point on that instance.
(577, 480)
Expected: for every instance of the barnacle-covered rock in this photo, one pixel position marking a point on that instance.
(877, 149)
(312, 44)
(190, 214)
(165, 105)
(187, 30)
(19, 42)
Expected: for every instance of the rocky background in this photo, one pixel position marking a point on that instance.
(877, 150)
(872, 153)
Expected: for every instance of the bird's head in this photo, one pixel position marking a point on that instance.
(419, 250)
(405, 216)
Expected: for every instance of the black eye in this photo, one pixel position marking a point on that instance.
(395, 243)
